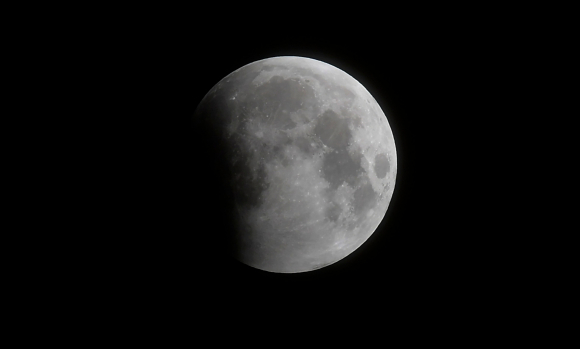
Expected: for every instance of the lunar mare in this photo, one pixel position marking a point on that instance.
(307, 156)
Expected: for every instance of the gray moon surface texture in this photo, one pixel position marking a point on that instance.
(305, 158)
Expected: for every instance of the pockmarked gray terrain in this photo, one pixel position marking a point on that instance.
(307, 158)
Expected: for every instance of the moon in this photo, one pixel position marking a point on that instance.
(300, 161)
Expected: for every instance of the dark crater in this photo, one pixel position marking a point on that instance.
(382, 165)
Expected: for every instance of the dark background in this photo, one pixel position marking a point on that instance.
(441, 244)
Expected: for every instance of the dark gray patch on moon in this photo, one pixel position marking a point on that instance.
(305, 145)
(333, 212)
(333, 130)
(270, 67)
(340, 166)
(364, 198)
(277, 151)
(269, 151)
(276, 98)
(382, 165)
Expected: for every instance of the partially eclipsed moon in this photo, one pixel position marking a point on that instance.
(306, 158)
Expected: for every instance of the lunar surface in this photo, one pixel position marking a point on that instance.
(301, 161)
